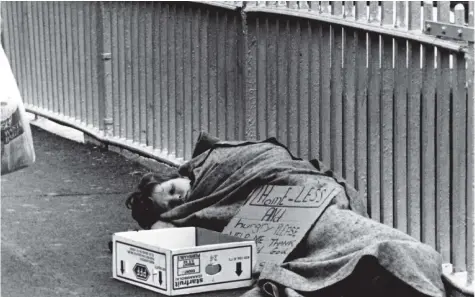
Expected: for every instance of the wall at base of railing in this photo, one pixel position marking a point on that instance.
(359, 87)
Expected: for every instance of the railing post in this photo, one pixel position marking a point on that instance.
(470, 148)
(105, 67)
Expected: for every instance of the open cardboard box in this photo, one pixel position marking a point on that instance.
(179, 261)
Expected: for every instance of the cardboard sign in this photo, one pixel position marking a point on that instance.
(278, 217)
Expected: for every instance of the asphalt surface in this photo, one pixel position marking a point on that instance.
(57, 217)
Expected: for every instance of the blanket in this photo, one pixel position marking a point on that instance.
(345, 253)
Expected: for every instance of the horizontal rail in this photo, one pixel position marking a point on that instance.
(397, 33)
(233, 5)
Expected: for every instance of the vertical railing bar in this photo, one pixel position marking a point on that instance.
(95, 64)
(401, 14)
(23, 82)
(239, 113)
(251, 79)
(156, 88)
(104, 65)
(121, 62)
(142, 73)
(349, 103)
(69, 60)
(374, 13)
(292, 80)
(225, 76)
(272, 34)
(314, 6)
(50, 54)
(414, 135)
(263, 56)
(179, 80)
(212, 74)
(400, 136)
(386, 118)
(60, 58)
(149, 104)
(36, 57)
(348, 13)
(43, 63)
(31, 57)
(177, 84)
(195, 73)
(458, 154)
(82, 99)
(428, 139)
(127, 9)
(470, 150)
(336, 87)
(283, 87)
(136, 47)
(88, 65)
(187, 84)
(374, 125)
(97, 67)
(56, 62)
(304, 89)
(203, 82)
(443, 143)
(115, 64)
(324, 6)
(220, 119)
(325, 95)
(231, 74)
(361, 108)
(259, 56)
(172, 83)
(77, 66)
(26, 51)
(314, 48)
(164, 8)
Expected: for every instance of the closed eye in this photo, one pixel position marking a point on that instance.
(172, 190)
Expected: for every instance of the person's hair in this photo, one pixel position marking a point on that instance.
(143, 209)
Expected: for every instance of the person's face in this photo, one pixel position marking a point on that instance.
(171, 193)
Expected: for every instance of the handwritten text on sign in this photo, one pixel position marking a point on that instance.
(278, 217)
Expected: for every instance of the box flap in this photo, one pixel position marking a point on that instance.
(207, 237)
(168, 238)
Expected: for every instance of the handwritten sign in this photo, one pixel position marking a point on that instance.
(278, 217)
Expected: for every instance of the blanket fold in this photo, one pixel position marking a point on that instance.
(344, 252)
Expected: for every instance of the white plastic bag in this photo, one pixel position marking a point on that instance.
(17, 149)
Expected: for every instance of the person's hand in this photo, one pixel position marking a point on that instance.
(162, 225)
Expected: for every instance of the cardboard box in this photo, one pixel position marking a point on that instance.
(179, 261)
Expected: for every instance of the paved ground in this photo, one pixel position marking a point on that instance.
(57, 217)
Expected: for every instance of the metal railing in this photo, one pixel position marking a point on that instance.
(363, 88)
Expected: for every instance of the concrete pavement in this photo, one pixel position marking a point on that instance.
(57, 217)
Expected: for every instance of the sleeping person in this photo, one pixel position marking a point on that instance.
(345, 253)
